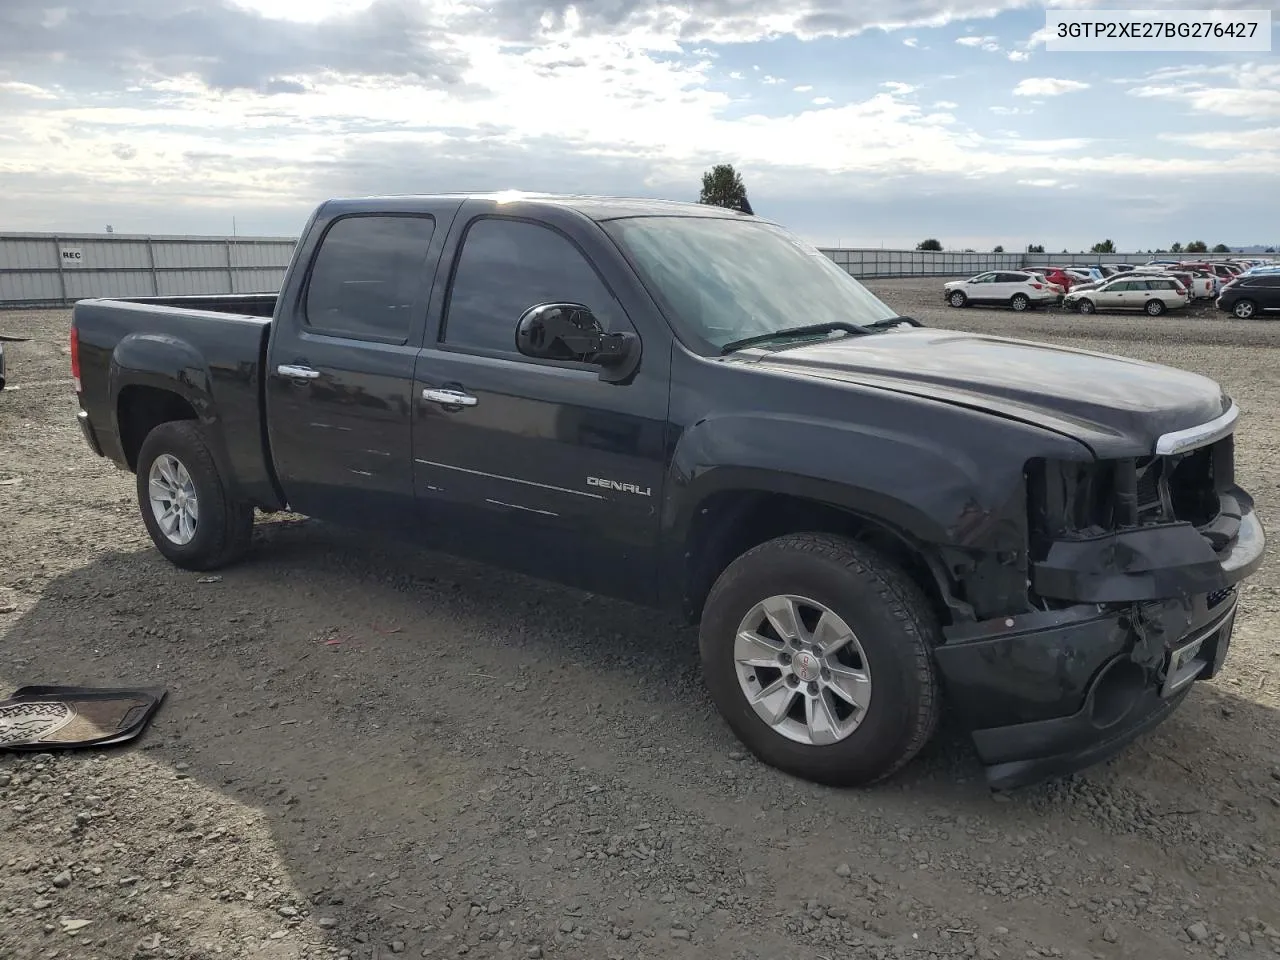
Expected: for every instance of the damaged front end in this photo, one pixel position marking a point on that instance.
(1132, 570)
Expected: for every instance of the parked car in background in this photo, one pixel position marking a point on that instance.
(1017, 289)
(1225, 271)
(1057, 275)
(1251, 297)
(1197, 287)
(1038, 276)
(1153, 294)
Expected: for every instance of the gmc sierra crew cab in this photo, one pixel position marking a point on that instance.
(684, 406)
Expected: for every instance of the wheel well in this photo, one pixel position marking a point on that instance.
(140, 410)
(729, 524)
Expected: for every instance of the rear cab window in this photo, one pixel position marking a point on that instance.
(367, 277)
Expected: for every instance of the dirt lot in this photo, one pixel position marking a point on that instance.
(488, 766)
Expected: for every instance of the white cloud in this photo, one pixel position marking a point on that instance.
(1010, 111)
(29, 90)
(974, 41)
(1039, 183)
(1047, 87)
(1019, 56)
(771, 80)
(911, 42)
(1253, 93)
(735, 75)
(1265, 138)
(630, 110)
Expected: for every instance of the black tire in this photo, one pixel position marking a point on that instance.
(1019, 302)
(1155, 307)
(1086, 306)
(1248, 306)
(957, 298)
(224, 528)
(892, 620)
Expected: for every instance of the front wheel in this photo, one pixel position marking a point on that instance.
(1244, 309)
(957, 299)
(184, 502)
(1020, 302)
(1086, 306)
(818, 653)
(1155, 307)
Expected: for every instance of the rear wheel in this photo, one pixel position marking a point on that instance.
(1020, 302)
(1244, 309)
(957, 298)
(1087, 306)
(817, 652)
(1155, 306)
(184, 501)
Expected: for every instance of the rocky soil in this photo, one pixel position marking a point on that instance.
(371, 752)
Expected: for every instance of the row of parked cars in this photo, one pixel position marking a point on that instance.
(1244, 288)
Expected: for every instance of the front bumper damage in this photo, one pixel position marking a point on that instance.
(1049, 693)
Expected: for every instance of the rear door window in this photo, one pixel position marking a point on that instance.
(367, 277)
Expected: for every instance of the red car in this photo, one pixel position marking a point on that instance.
(1060, 277)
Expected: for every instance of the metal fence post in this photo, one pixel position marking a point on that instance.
(62, 277)
(151, 264)
(231, 270)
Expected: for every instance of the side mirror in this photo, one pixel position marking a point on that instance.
(570, 331)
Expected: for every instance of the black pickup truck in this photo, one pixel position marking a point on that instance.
(687, 407)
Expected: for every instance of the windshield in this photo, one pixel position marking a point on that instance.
(725, 280)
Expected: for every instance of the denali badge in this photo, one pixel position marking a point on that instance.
(624, 487)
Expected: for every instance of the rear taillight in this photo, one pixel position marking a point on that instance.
(75, 357)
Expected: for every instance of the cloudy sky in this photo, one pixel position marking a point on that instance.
(853, 122)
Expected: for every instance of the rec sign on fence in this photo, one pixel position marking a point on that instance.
(71, 256)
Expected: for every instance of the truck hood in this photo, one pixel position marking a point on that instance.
(1115, 406)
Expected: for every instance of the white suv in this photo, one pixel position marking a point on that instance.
(1148, 292)
(1018, 289)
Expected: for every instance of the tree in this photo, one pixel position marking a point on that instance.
(998, 249)
(1035, 248)
(1221, 248)
(1176, 248)
(1197, 246)
(722, 186)
(1271, 249)
(930, 244)
(1106, 246)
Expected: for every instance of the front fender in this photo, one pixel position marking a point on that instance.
(911, 480)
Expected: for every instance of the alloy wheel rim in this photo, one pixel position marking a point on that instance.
(802, 670)
(174, 503)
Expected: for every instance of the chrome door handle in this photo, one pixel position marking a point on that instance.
(297, 373)
(449, 398)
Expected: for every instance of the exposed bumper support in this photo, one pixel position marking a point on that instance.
(1149, 563)
(1049, 693)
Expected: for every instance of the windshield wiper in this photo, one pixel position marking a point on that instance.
(892, 322)
(793, 332)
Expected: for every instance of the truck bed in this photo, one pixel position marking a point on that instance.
(136, 352)
(239, 304)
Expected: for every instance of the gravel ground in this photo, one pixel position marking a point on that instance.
(370, 752)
